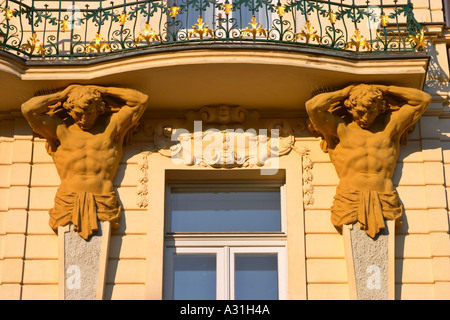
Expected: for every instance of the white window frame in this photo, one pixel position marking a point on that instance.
(226, 244)
(282, 267)
(220, 263)
(225, 259)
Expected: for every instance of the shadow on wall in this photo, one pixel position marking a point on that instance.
(132, 149)
(437, 77)
(113, 262)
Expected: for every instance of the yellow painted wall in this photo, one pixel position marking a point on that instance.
(29, 248)
(28, 182)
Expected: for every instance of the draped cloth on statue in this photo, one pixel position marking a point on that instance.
(82, 209)
(369, 208)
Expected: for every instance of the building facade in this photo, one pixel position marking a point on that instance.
(225, 190)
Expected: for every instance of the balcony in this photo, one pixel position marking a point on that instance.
(73, 29)
(269, 54)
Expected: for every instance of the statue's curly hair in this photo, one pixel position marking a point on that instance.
(87, 94)
(363, 91)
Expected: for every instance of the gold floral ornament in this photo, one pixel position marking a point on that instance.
(281, 10)
(358, 41)
(201, 29)
(98, 44)
(418, 41)
(384, 20)
(308, 33)
(122, 18)
(332, 17)
(64, 25)
(227, 8)
(255, 30)
(147, 34)
(7, 13)
(33, 45)
(174, 11)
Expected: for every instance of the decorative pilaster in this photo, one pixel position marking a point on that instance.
(370, 263)
(82, 264)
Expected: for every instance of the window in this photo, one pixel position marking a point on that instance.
(225, 241)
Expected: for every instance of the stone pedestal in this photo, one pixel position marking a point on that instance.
(82, 264)
(370, 263)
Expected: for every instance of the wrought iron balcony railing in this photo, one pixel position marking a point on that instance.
(81, 29)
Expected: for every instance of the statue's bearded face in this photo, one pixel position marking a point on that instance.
(365, 104)
(85, 106)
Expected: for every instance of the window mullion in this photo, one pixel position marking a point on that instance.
(230, 273)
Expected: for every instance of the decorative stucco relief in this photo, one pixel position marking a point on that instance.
(142, 188)
(307, 166)
(227, 137)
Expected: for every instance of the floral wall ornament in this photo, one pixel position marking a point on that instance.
(332, 17)
(358, 41)
(174, 11)
(33, 45)
(225, 137)
(256, 29)
(7, 13)
(384, 20)
(142, 188)
(281, 10)
(227, 8)
(122, 18)
(229, 133)
(98, 44)
(418, 41)
(307, 166)
(201, 29)
(308, 33)
(64, 25)
(148, 35)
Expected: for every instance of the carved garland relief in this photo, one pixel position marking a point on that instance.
(224, 137)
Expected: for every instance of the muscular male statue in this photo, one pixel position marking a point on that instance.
(85, 127)
(362, 127)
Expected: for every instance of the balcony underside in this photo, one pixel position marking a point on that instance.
(272, 78)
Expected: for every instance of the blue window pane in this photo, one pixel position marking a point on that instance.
(194, 277)
(225, 212)
(256, 277)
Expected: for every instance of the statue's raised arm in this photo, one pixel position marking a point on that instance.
(319, 110)
(406, 105)
(39, 112)
(126, 105)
